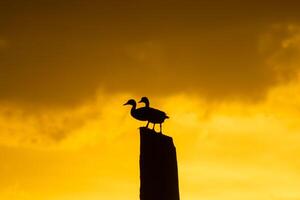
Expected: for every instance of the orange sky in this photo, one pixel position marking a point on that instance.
(227, 73)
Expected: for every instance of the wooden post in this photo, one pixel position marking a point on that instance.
(158, 166)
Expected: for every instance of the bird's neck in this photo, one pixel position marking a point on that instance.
(147, 104)
(133, 108)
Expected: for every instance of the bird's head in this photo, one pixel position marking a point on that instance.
(144, 100)
(130, 102)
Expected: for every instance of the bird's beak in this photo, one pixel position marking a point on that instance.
(140, 101)
(125, 104)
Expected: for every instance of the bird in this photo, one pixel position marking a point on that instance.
(154, 116)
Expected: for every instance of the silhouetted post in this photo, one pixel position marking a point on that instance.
(158, 166)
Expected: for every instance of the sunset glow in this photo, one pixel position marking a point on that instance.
(226, 74)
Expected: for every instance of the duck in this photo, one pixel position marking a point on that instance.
(154, 116)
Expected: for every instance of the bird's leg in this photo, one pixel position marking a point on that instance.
(160, 128)
(147, 124)
(153, 126)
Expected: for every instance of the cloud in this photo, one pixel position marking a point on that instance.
(281, 46)
(148, 69)
(220, 67)
(3, 43)
(81, 125)
(65, 58)
(104, 119)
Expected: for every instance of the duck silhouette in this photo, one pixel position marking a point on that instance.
(154, 116)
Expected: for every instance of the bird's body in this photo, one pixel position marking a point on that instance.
(154, 116)
(139, 113)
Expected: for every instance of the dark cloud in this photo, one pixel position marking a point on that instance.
(3, 43)
(62, 52)
(45, 127)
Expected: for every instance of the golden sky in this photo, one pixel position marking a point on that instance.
(226, 72)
